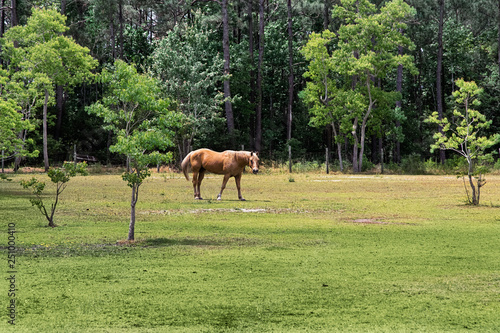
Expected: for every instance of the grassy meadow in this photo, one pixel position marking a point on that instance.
(321, 253)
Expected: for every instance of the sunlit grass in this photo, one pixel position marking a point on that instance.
(325, 253)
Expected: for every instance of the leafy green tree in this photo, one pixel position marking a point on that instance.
(13, 123)
(321, 92)
(144, 146)
(133, 109)
(461, 135)
(191, 70)
(40, 48)
(60, 177)
(128, 99)
(25, 90)
(366, 51)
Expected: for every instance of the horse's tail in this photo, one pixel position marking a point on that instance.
(186, 164)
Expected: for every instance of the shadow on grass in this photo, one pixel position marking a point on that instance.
(165, 242)
(99, 250)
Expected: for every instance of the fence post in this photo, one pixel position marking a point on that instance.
(242, 147)
(327, 169)
(2, 160)
(74, 154)
(381, 160)
(289, 159)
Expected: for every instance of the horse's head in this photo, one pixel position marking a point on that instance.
(253, 162)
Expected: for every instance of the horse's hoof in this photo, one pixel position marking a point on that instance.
(241, 199)
(198, 198)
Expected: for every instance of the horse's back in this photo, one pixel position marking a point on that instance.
(215, 162)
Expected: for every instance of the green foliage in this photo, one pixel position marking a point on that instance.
(462, 135)
(129, 98)
(13, 117)
(133, 109)
(413, 165)
(344, 68)
(40, 47)
(3, 176)
(58, 176)
(190, 71)
(186, 37)
(40, 57)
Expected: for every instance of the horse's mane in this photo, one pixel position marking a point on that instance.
(242, 155)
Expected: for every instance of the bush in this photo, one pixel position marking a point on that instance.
(305, 166)
(413, 165)
(367, 164)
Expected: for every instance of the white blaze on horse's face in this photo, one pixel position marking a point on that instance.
(254, 162)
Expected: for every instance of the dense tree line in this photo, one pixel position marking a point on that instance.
(235, 70)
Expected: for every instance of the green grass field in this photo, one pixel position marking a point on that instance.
(324, 253)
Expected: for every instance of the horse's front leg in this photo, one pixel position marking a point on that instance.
(224, 182)
(237, 179)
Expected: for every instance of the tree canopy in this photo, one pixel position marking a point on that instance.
(374, 71)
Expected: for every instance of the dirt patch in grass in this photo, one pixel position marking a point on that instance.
(369, 221)
(234, 210)
(378, 221)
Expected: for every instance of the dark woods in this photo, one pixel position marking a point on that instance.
(235, 70)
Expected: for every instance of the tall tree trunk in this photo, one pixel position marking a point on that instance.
(290, 75)
(399, 88)
(120, 19)
(498, 44)
(44, 121)
(60, 102)
(227, 88)
(13, 17)
(439, 73)
(381, 147)
(258, 111)
(364, 124)
(252, 72)
(339, 148)
(326, 15)
(355, 146)
(60, 93)
(2, 22)
(112, 36)
(2, 26)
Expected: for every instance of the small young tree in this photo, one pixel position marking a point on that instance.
(143, 146)
(133, 109)
(461, 135)
(60, 177)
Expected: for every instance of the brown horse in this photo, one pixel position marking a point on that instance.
(228, 163)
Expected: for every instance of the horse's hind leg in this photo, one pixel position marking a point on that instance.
(237, 179)
(224, 182)
(200, 178)
(195, 185)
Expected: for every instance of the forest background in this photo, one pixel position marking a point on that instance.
(235, 69)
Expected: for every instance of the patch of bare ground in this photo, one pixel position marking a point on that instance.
(377, 221)
(235, 210)
(369, 221)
